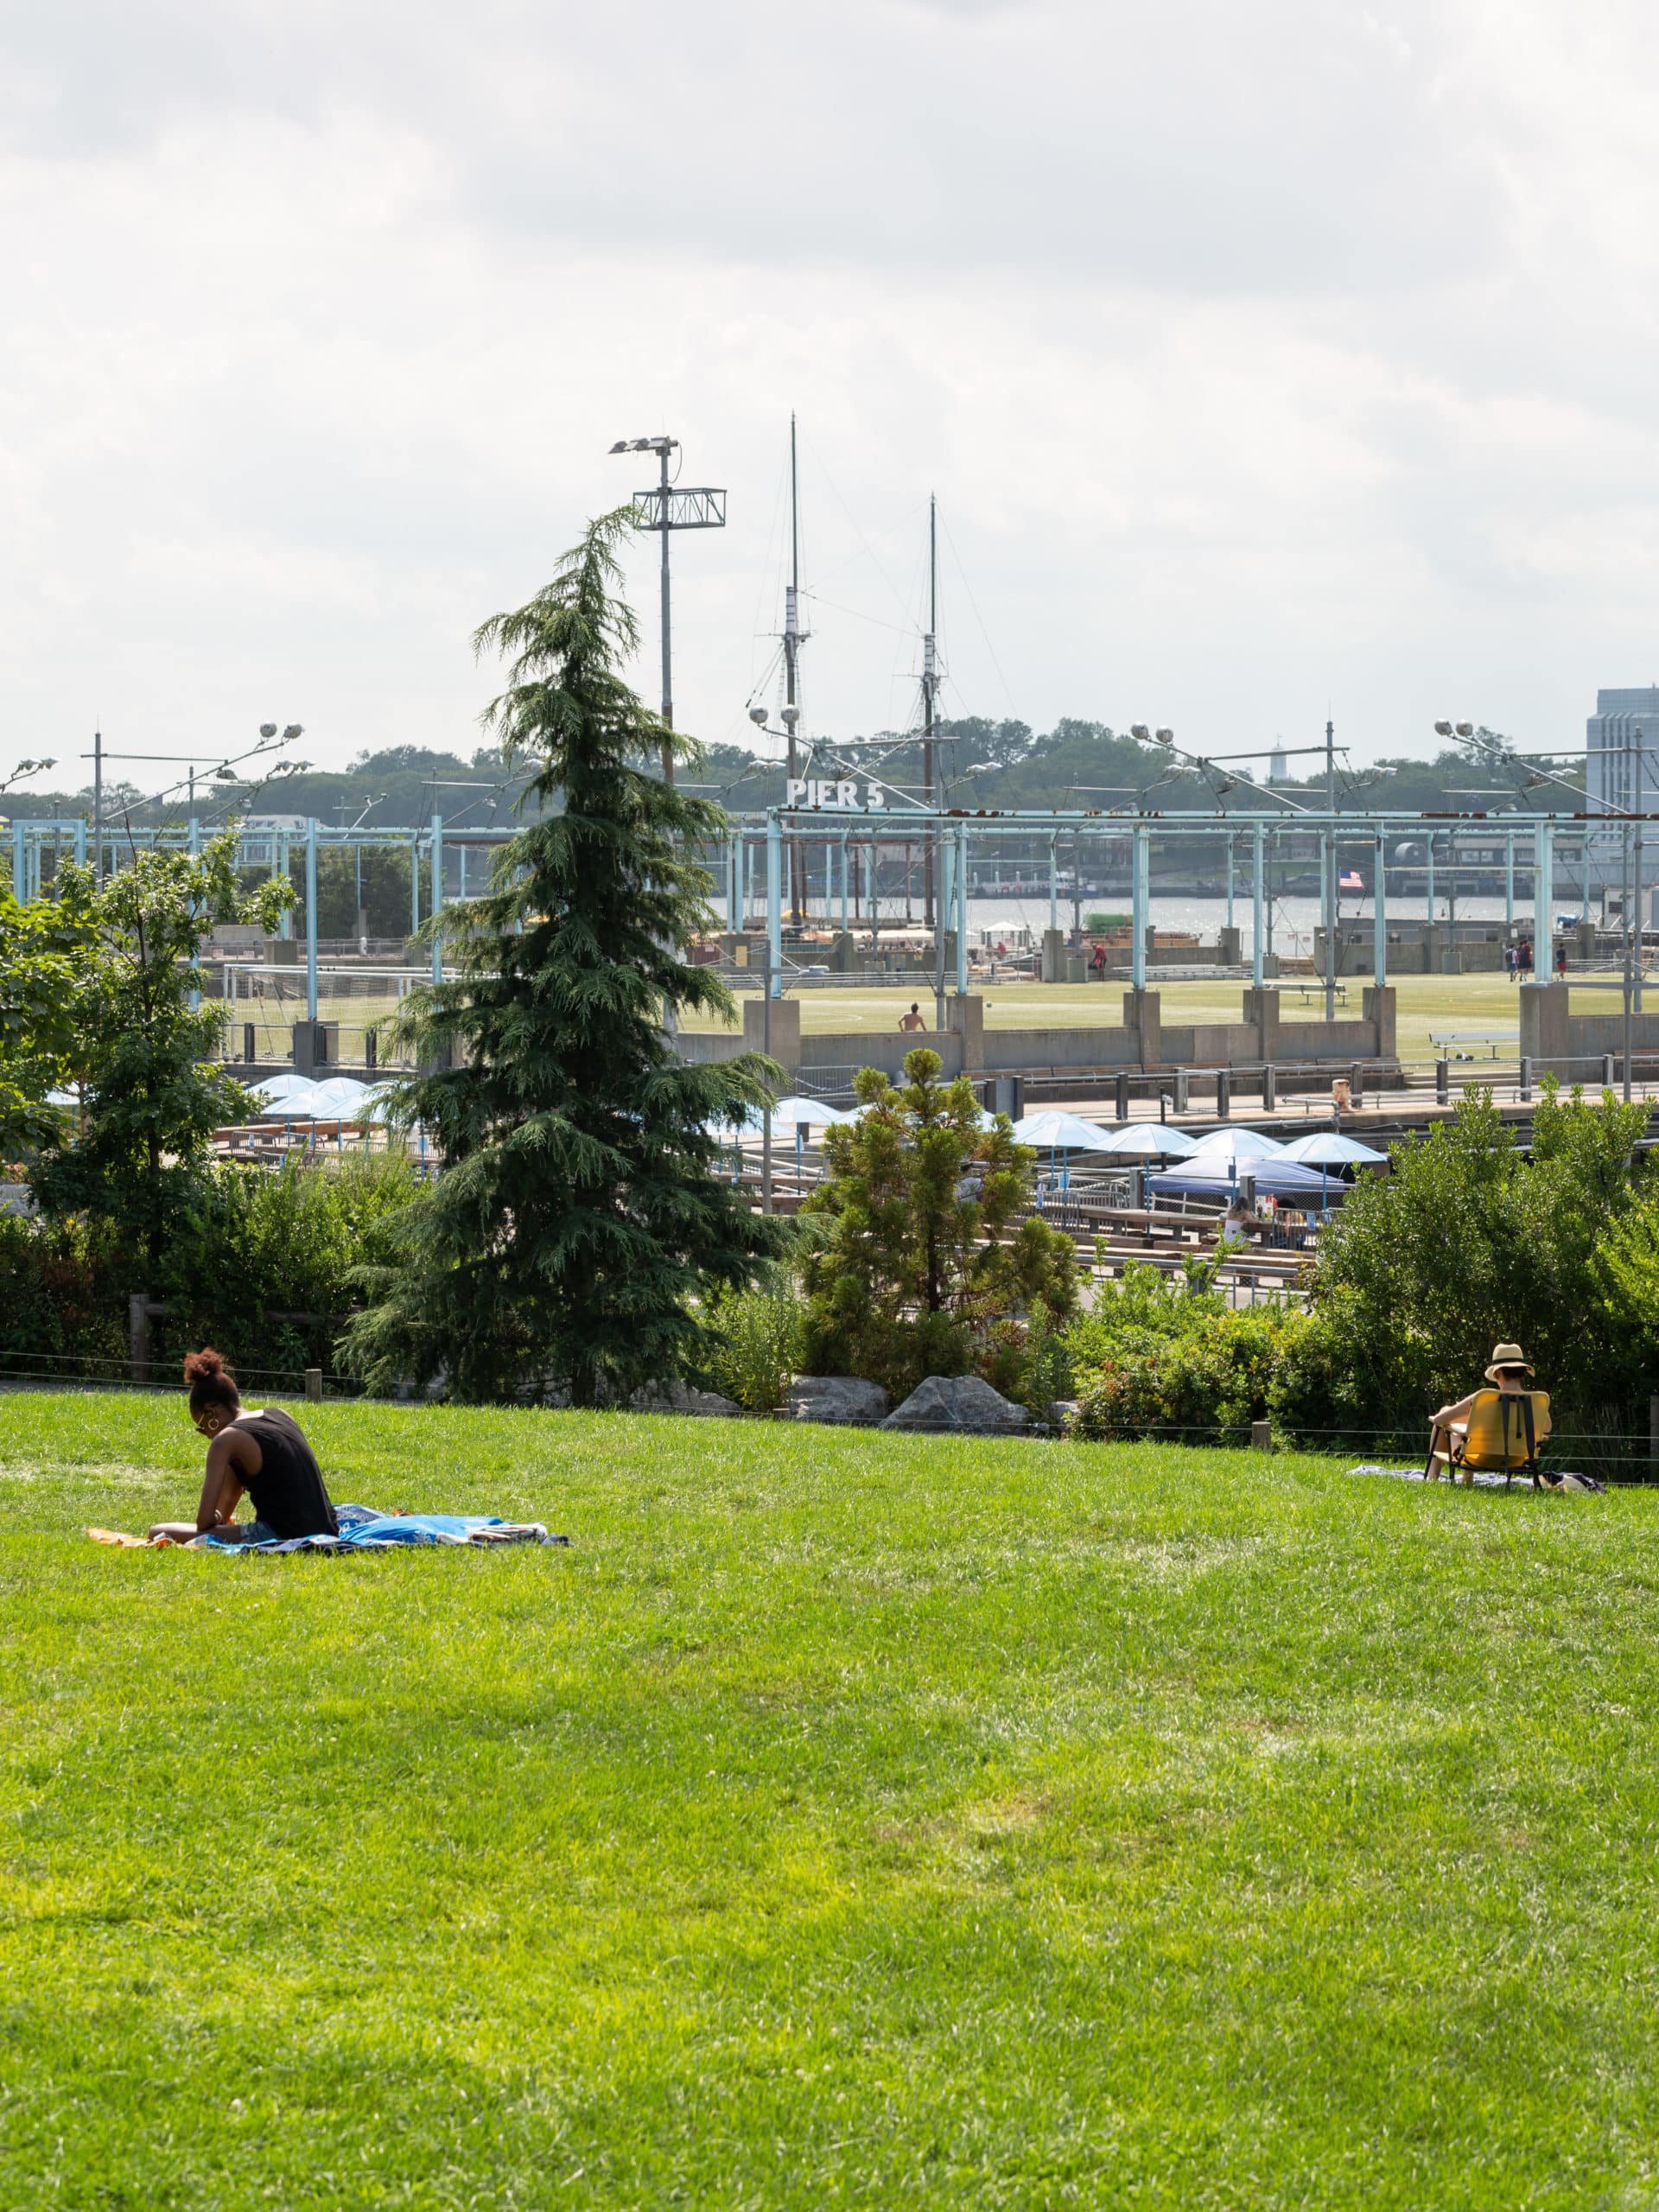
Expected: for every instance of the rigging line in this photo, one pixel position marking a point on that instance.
(980, 618)
(819, 600)
(857, 530)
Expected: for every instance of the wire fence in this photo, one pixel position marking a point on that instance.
(1621, 1458)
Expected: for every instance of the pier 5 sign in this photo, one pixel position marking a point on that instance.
(815, 791)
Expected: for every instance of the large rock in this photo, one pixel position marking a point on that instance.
(839, 1398)
(960, 1404)
(681, 1398)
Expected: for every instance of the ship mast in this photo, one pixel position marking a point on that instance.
(793, 639)
(930, 693)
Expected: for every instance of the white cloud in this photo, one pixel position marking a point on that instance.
(1266, 361)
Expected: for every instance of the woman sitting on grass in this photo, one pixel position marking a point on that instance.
(263, 1454)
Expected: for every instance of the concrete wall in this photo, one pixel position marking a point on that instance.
(1559, 1042)
(1140, 1042)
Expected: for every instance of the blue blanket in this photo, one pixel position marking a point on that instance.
(363, 1529)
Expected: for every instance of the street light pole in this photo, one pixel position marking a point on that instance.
(666, 508)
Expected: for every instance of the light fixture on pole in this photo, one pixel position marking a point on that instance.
(665, 508)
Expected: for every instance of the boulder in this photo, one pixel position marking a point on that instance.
(960, 1404)
(844, 1399)
(681, 1398)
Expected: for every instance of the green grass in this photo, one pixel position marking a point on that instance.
(1423, 1004)
(845, 1820)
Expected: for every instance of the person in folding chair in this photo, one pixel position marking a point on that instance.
(1499, 1431)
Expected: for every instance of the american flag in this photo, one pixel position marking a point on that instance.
(1349, 880)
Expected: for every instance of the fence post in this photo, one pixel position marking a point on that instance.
(313, 1383)
(1269, 1087)
(1223, 1094)
(1653, 1437)
(1181, 1090)
(1526, 1077)
(1606, 1070)
(1356, 1084)
(1442, 1083)
(1122, 1094)
(1260, 1436)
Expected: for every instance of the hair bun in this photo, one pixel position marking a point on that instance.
(200, 1365)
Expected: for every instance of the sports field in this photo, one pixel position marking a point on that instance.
(1424, 1005)
(846, 1819)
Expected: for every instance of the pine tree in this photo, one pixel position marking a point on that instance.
(579, 1214)
(921, 1264)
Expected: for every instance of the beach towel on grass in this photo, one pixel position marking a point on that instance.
(364, 1529)
(1484, 1479)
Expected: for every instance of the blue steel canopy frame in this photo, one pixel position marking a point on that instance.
(956, 828)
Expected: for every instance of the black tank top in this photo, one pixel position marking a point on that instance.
(287, 1492)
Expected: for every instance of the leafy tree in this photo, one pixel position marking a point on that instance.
(579, 1214)
(142, 1052)
(919, 1268)
(385, 891)
(1465, 1243)
(45, 953)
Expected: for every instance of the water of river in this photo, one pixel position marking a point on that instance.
(1294, 919)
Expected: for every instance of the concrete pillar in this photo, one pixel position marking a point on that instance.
(1543, 1026)
(1053, 968)
(1262, 1012)
(1377, 1006)
(1434, 949)
(1141, 1013)
(786, 1031)
(844, 953)
(1227, 949)
(968, 1020)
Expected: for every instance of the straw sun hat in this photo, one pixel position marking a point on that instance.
(1506, 1356)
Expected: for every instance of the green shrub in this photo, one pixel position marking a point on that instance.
(754, 1339)
(256, 1244)
(63, 1298)
(1468, 1241)
(1193, 1386)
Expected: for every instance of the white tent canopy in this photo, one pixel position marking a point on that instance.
(1055, 1131)
(1324, 1148)
(1238, 1146)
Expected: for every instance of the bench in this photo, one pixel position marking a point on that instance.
(1493, 1038)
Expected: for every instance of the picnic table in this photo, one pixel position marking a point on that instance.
(1306, 990)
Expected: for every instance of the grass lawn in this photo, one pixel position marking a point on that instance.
(1423, 1004)
(846, 1820)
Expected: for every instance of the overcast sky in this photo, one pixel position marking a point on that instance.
(1268, 361)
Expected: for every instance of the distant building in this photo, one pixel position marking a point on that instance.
(1622, 751)
(1278, 766)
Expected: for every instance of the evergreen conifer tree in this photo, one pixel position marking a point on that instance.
(579, 1212)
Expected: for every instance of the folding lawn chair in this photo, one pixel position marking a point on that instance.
(1506, 1431)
